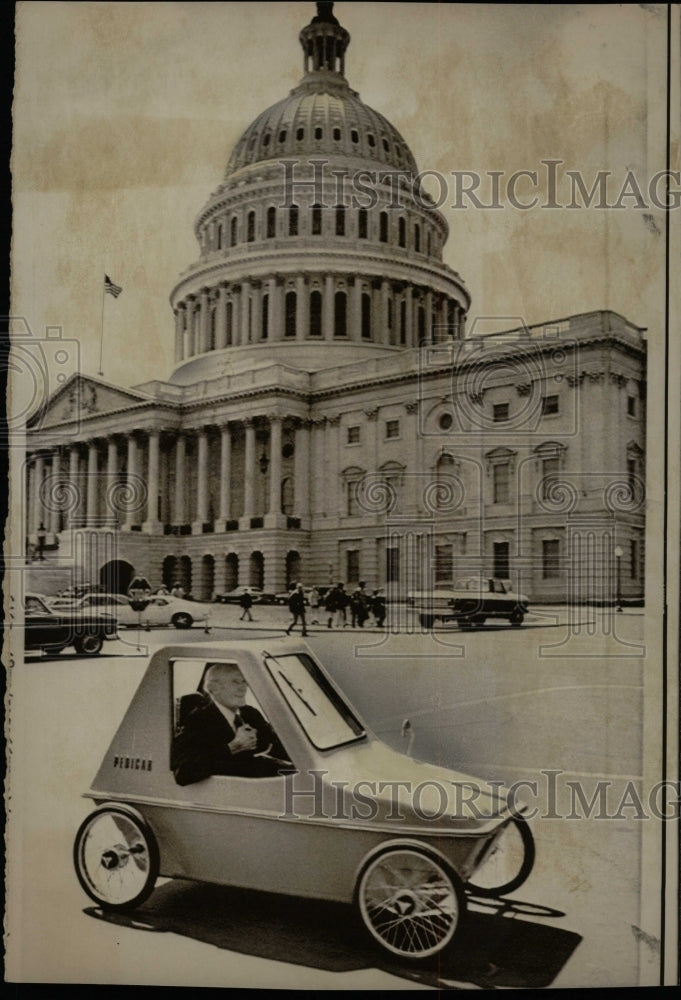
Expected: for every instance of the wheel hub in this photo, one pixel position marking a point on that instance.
(115, 857)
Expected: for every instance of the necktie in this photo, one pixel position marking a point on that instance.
(238, 721)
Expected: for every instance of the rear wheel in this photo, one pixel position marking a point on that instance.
(427, 621)
(410, 903)
(507, 863)
(183, 620)
(116, 858)
(88, 644)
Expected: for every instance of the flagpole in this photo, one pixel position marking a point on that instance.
(101, 335)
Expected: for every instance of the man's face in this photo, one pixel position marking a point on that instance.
(228, 688)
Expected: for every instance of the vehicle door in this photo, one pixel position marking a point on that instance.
(45, 627)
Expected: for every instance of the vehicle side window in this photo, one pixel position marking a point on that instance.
(160, 602)
(34, 605)
(188, 693)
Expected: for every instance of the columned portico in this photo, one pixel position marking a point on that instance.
(249, 474)
(153, 525)
(201, 481)
(275, 518)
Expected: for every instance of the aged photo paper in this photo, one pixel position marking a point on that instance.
(358, 321)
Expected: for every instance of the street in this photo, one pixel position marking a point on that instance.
(557, 708)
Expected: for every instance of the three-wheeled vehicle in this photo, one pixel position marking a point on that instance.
(344, 817)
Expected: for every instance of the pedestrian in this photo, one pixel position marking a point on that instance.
(314, 605)
(296, 605)
(378, 608)
(41, 534)
(331, 605)
(246, 603)
(342, 601)
(356, 609)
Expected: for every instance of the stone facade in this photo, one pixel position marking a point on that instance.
(328, 416)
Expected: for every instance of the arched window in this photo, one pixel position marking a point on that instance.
(271, 222)
(232, 231)
(250, 227)
(315, 313)
(230, 315)
(417, 238)
(363, 224)
(290, 317)
(429, 244)
(293, 220)
(340, 315)
(366, 316)
(403, 322)
(402, 232)
(316, 220)
(218, 238)
(340, 221)
(265, 316)
(212, 329)
(383, 230)
(422, 324)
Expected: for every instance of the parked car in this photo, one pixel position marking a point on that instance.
(234, 596)
(162, 609)
(345, 818)
(469, 601)
(53, 629)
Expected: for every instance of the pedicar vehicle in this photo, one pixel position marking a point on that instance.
(341, 816)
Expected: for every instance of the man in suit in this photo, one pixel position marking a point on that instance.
(223, 735)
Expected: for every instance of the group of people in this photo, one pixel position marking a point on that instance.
(359, 606)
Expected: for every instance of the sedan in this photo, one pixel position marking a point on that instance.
(234, 596)
(470, 601)
(162, 609)
(53, 629)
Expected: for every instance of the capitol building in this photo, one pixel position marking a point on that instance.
(334, 411)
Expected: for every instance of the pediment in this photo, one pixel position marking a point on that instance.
(83, 396)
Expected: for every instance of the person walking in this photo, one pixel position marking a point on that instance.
(342, 601)
(314, 605)
(41, 535)
(378, 608)
(296, 605)
(246, 603)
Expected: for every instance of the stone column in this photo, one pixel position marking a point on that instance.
(277, 309)
(225, 476)
(152, 525)
(180, 513)
(245, 312)
(191, 326)
(38, 475)
(111, 513)
(221, 319)
(204, 322)
(328, 308)
(273, 301)
(429, 315)
(356, 311)
(75, 487)
(92, 483)
(302, 308)
(274, 518)
(383, 316)
(201, 482)
(256, 312)
(301, 503)
(249, 474)
(133, 484)
(54, 492)
(179, 332)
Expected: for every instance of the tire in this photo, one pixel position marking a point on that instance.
(516, 619)
(464, 622)
(507, 864)
(182, 620)
(410, 903)
(53, 650)
(88, 644)
(479, 620)
(427, 621)
(116, 858)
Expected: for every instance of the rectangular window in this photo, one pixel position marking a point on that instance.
(353, 502)
(550, 469)
(444, 563)
(353, 435)
(550, 559)
(392, 428)
(352, 566)
(631, 406)
(549, 404)
(501, 560)
(392, 565)
(633, 559)
(501, 483)
(500, 412)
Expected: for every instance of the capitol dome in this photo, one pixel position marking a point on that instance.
(319, 247)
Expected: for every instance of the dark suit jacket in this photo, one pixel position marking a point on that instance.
(200, 748)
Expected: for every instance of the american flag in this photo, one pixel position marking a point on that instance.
(112, 289)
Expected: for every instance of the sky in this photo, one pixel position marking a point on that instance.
(125, 116)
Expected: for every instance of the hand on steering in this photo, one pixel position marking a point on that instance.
(246, 739)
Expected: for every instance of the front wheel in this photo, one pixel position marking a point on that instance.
(410, 903)
(508, 862)
(183, 620)
(89, 644)
(116, 858)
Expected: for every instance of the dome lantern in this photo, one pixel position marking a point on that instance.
(324, 42)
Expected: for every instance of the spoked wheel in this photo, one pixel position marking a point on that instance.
(116, 858)
(507, 863)
(88, 644)
(410, 903)
(183, 620)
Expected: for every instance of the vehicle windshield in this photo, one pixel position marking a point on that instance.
(36, 606)
(326, 719)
